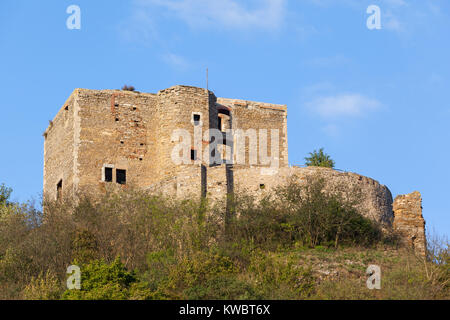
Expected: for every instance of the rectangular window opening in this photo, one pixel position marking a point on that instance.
(121, 176)
(196, 118)
(108, 174)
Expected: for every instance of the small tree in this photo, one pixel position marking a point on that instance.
(319, 159)
(5, 193)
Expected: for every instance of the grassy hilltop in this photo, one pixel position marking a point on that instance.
(298, 243)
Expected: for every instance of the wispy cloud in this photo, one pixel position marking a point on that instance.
(335, 109)
(176, 61)
(343, 105)
(230, 14)
(399, 16)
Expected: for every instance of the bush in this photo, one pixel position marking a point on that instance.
(44, 287)
(128, 88)
(102, 281)
(199, 268)
(305, 214)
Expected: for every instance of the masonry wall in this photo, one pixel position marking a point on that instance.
(59, 150)
(176, 107)
(132, 131)
(409, 222)
(116, 132)
(257, 115)
(376, 199)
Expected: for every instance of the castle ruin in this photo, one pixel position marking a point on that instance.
(125, 138)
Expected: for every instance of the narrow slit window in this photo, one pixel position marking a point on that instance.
(108, 174)
(121, 176)
(219, 125)
(59, 190)
(193, 154)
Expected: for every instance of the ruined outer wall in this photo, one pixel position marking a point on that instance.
(59, 149)
(116, 129)
(257, 115)
(409, 222)
(376, 199)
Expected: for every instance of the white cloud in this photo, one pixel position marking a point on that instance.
(230, 14)
(176, 61)
(343, 105)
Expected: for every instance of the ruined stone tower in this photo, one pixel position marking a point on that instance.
(102, 137)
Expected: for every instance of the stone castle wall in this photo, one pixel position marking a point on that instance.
(376, 199)
(59, 150)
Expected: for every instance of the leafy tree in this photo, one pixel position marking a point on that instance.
(319, 159)
(5, 193)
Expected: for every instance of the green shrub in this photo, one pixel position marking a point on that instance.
(102, 281)
(199, 268)
(159, 265)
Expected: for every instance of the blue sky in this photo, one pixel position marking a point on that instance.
(376, 100)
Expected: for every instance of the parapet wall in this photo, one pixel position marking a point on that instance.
(376, 199)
